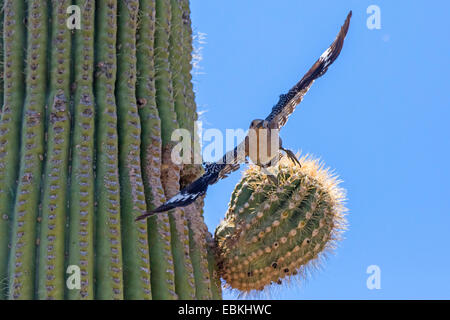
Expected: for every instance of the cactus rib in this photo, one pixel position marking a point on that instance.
(108, 273)
(54, 199)
(161, 261)
(197, 244)
(23, 243)
(198, 251)
(170, 173)
(81, 221)
(134, 234)
(10, 124)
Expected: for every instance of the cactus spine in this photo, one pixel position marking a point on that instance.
(275, 231)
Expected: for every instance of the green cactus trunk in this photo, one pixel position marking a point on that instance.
(85, 141)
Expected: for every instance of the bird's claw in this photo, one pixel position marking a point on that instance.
(292, 157)
(272, 178)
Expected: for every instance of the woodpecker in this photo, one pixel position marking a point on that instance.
(270, 126)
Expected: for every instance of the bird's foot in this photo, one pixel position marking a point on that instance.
(273, 178)
(292, 156)
(269, 173)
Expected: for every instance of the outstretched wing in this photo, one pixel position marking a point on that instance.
(287, 102)
(213, 172)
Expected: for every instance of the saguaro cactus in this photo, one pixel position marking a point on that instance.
(86, 123)
(85, 136)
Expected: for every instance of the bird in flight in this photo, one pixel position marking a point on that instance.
(270, 126)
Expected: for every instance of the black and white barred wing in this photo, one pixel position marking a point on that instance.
(287, 102)
(233, 159)
(213, 172)
(185, 197)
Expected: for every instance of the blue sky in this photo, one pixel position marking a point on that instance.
(380, 117)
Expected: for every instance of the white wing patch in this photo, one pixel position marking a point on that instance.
(180, 197)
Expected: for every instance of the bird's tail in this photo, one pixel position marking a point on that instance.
(183, 198)
(164, 207)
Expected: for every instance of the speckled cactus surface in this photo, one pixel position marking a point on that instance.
(85, 138)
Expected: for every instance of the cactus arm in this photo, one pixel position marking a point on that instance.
(108, 262)
(198, 252)
(10, 124)
(170, 175)
(279, 230)
(54, 200)
(81, 221)
(134, 234)
(23, 243)
(161, 260)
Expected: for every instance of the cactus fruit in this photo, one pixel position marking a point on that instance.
(272, 231)
(86, 121)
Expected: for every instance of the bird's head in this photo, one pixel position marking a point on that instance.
(258, 124)
(263, 124)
